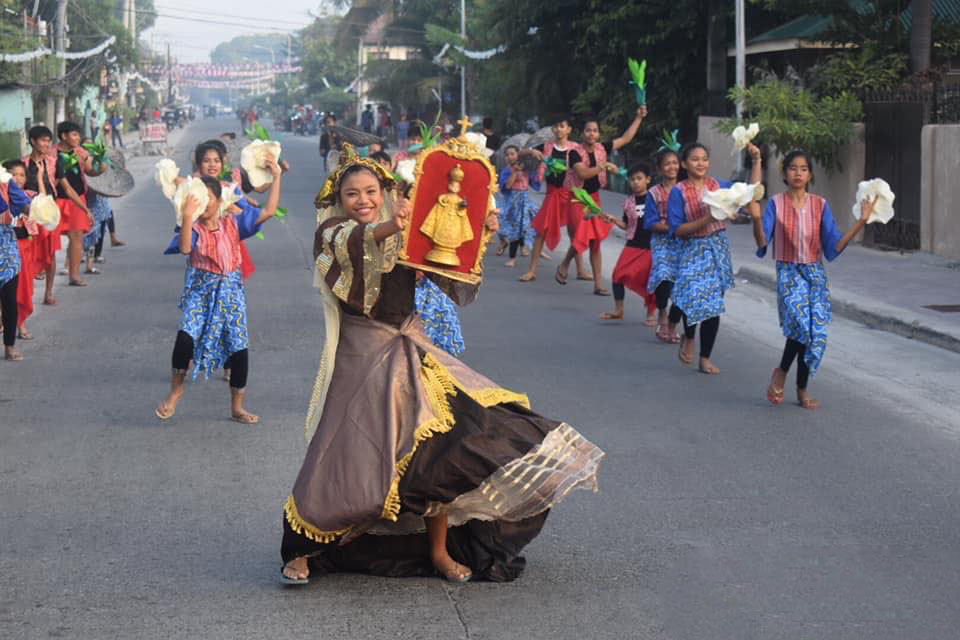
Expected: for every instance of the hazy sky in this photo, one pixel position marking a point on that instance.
(194, 29)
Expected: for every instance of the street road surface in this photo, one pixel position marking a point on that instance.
(718, 517)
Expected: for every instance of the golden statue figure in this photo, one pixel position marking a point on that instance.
(447, 225)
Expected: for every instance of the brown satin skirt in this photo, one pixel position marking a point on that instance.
(408, 431)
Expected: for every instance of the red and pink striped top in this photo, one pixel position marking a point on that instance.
(797, 232)
(217, 251)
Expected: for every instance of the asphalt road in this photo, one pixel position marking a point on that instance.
(719, 516)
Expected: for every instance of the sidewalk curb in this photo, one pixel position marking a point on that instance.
(874, 315)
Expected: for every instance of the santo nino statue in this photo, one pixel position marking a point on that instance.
(448, 225)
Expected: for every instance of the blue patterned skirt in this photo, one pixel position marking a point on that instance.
(438, 313)
(803, 301)
(516, 218)
(704, 274)
(665, 248)
(215, 315)
(102, 211)
(9, 254)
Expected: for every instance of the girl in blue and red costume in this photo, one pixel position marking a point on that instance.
(705, 270)
(803, 230)
(13, 202)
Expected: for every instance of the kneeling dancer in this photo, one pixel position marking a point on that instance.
(417, 465)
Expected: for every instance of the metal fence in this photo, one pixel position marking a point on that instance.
(940, 103)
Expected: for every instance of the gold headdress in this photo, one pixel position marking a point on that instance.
(350, 158)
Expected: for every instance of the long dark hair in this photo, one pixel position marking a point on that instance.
(213, 185)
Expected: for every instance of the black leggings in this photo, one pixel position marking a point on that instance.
(238, 363)
(708, 333)
(8, 307)
(106, 224)
(790, 351)
(663, 291)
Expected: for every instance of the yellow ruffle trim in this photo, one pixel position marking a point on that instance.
(439, 384)
(304, 528)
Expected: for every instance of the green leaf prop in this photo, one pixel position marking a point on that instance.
(555, 166)
(258, 132)
(227, 172)
(638, 73)
(260, 235)
(593, 209)
(281, 213)
(669, 141)
(70, 162)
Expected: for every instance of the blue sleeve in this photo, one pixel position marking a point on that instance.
(18, 199)
(725, 184)
(830, 235)
(534, 181)
(676, 214)
(651, 215)
(3, 205)
(504, 176)
(173, 249)
(247, 219)
(769, 222)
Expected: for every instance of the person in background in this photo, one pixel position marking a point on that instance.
(366, 119)
(116, 128)
(403, 130)
(493, 138)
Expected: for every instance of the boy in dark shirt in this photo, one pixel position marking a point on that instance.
(633, 267)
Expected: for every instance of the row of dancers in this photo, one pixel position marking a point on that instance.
(28, 250)
(675, 250)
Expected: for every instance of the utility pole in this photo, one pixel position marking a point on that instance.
(741, 43)
(60, 44)
(169, 77)
(463, 67)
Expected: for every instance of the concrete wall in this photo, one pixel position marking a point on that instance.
(16, 105)
(940, 190)
(839, 187)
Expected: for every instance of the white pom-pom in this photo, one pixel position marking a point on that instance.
(166, 174)
(4, 176)
(253, 158)
(725, 203)
(190, 187)
(879, 190)
(406, 170)
(44, 210)
(742, 136)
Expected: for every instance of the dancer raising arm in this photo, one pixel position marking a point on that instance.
(213, 328)
(803, 230)
(554, 212)
(592, 171)
(705, 270)
(405, 439)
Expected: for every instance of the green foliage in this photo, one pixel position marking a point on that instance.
(793, 118)
(859, 71)
(320, 59)
(251, 49)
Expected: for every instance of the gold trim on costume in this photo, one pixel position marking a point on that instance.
(307, 530)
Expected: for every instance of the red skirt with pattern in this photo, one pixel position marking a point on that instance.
(552, 216)
(587, 231)
(633, 272)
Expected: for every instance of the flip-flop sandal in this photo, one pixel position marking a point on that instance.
(285, 579)
(611, 316)
(164, 417)
(680, 354)
(78, 283)
(457, 579)
(709, 372)
(598, 292)
(14, 357)
(24, 335)
(586, 278)
(774, 394)
(93, 271)
(118, 243)
(246, 418)
(559, 278)
(809, 403)
(527, 277)
(500, 250)
(50, 302)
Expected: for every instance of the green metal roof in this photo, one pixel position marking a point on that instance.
(948, 10)
(802, 28)
(811, 28)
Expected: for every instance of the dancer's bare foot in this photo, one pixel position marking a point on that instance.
(585, 276)
(297, 570)
(775, 389)
(526, 252)
(503, 247)
(807, 401)
(706, 366)
(450, 568)
(686, 350)
(166, 409)
(529, 276)
(651, 320)
(511, 263)
(12, 354)
(238, 412)
(612, 315)
(49, 300)
(545, 256)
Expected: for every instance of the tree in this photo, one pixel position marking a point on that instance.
(921, 35)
